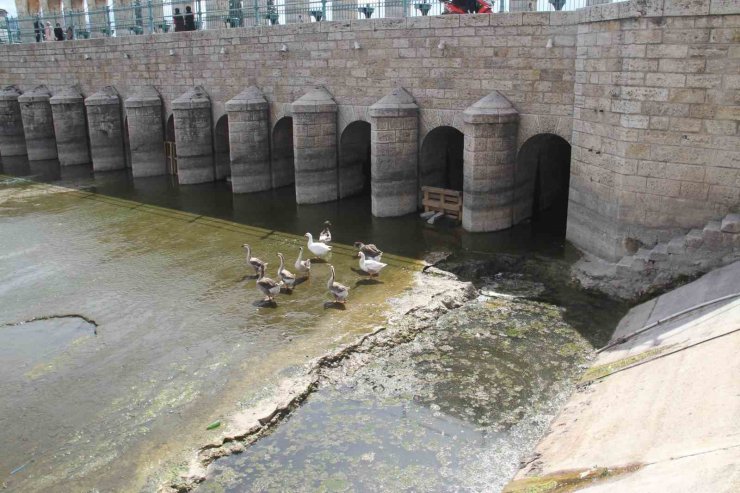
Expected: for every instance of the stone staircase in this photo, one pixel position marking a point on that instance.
(649, 269)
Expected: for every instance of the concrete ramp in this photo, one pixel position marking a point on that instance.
(659, 412)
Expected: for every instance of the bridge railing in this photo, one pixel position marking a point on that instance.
(155, 16)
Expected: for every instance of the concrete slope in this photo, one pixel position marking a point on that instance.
(660, 412)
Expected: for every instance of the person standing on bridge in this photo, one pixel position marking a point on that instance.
(38, 28)
(59, 32)
(189, 19)
(178, 21)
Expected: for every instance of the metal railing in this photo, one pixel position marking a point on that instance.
(152, 16)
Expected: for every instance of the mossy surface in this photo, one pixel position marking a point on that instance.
(601, 371)
(568, 481)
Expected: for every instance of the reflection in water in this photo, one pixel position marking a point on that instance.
(276, 209)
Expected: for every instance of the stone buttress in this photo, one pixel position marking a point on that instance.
(70, 126)
(105, 130)
(12, 138)
(249, 141)
(145, 132)
(194, 137)
(38, 124)
(491, 126)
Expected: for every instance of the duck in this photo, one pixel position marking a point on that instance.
(253, 261)
(302, 266)
(339, 291)
(285, 276)
(371, 251)
(316, 247)
(372, 267)
(325, 235)
(269, 287)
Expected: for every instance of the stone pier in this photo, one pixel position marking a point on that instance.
(145, 132)
(394, 144)
(315, 147)
(491, 126)
(12, 138)
(105, 130)
(249, 132)
(38, 124)
(193, 137)
(70, 126)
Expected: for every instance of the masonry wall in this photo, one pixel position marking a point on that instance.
(646, 91)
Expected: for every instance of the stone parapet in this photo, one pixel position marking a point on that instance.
(194, 137)
(70, 126)
(12, 138)
(394, 144)
(146, 133)
(38, 124)
(105, 130)
(249, 141)
(315, 147)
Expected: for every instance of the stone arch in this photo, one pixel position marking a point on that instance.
(222, 151)
(431, 119)
(283, 163)
(441, 158)
(532, 125)
(354, 159)
(541, 176)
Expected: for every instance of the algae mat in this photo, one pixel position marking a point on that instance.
(181, 340)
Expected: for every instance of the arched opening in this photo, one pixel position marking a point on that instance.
(221, 148)
(283, 166)
(542, 177)
(170, 150)
(354, 159)
(441, 160)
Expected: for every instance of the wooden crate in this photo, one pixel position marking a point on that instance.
(449, 202)
(170, 154)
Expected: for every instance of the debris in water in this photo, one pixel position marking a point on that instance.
(213, 425)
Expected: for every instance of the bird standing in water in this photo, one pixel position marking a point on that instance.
(371, 251)
(339, 291)
(285, 276)
(316, 247)
(372, 267)
(268, 286)
(325, 235)
(302, 266)
(254, 262)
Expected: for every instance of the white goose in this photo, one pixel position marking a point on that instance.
(285, 275)
(372, 267)
(325, 235)
(339, 291)
(269, 287)
(316, 247)
(302, 266)
(253, 261)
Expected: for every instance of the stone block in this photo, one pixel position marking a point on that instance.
(12, 138)
(731, 224)
(249, 142)
(659, 253)
(146, 134)
(694, 239)
(38, 124)
(70, 127)
(194, 137)
(712, 236)
(677, 245)
(105, 130)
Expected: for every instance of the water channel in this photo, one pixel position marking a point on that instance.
(129, 323)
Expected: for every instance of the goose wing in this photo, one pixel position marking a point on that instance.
(337, 287)
(371, 251)
(267, 283)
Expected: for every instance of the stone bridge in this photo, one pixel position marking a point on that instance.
(629, 110)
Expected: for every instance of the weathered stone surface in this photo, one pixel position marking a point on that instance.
(394, 143)
(38, 124)
(315, 147)
(12, 139)
(731, 223)
(193, 137)
(105, 130)
(489, 155)
(249, 137)
(70, 126)
(146, 132)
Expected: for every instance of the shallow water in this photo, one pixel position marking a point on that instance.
(453, 410)
(181, 342)
(182, 339)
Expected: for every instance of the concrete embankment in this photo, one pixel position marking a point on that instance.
(656, 412)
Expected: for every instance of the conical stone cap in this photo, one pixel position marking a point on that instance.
(10, 93)
(144, 96)
(72, 94)
(398, 103)
(250, 99)
(317, 100)
(494, 108)
(196, 97)
(38, 93)
(106, 96)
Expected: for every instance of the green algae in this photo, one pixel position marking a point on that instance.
(568, 481)
(601, 371)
